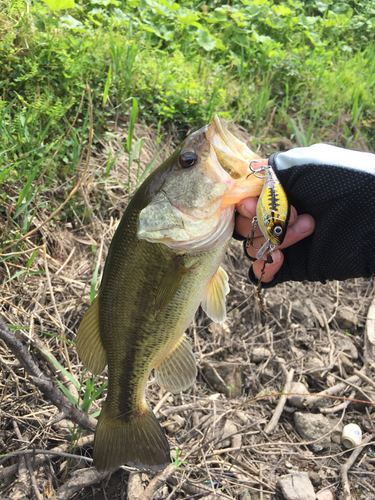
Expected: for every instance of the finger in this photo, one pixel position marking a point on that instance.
(243, 225)
(303, 227)
(247, 207)
(270, 269)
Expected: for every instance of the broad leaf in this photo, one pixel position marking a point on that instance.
(60, 4)
(205, 40)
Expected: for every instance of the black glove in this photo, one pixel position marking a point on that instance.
(337, 187)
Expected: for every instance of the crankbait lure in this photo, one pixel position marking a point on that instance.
(273, 211)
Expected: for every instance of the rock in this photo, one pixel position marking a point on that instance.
(221, 431)
(325, 495)
(311, 426)
(247, 495)
(315, 478)
(315, 366)
(347, 346)
(135, 487)
(176, 423)
(296, 399)
(296, 486)
(162, 493)
(335, 423)
(302, 314)
(259, 354)
(347, 319)
(225, 378)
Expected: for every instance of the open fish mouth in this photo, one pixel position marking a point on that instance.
(232, 154)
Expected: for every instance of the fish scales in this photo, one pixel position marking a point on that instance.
(163, 261)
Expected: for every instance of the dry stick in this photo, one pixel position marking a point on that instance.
(43, 348)
(21, 487)
(270, 427)
(34, 486)
(8, 472)
(158, 481)
(66, 262)
(345, 468)
(364, 377)
(161, 402)
(195, 490)
(38, 451)
(369, 347)
(355, 387)
(74, 190)
(331, 390)
(45, 384)
(79, 480)
(62, 343)
(342, 406)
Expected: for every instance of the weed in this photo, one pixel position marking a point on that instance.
(176, 458)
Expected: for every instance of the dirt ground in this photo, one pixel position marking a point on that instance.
(219, 430)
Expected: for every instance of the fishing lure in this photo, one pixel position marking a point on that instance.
(273, 211)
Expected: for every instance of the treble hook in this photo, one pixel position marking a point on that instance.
(256, 171)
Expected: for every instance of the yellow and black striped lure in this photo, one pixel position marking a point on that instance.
(273, 210)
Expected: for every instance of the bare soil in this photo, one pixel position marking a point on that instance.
(218, 433)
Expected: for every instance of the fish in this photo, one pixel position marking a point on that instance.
(273, 212)
(163, 262)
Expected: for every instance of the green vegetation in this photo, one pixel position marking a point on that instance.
(293, 68)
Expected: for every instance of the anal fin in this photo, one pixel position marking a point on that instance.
(89, 344)
(213, 302)
(177, 371)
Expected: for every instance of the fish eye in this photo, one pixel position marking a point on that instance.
(277, 230)
(188, 159)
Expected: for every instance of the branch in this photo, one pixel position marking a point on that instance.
(158, 481)
(45, 384)
(280, 405)
(345, 468)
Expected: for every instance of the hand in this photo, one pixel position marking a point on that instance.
(299, 227)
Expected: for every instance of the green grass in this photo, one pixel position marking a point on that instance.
(279, 68)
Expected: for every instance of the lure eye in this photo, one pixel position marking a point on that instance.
(277, 230)
(188, 159)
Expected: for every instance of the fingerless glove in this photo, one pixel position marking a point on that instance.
(337, 187)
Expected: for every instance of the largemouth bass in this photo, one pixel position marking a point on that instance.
(163, 261)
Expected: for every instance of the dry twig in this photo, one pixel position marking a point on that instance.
(34, 486)
(345, 468)
(158, 481)
(270, 427)
(43, 383)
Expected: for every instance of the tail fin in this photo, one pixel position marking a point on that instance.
(139, 442)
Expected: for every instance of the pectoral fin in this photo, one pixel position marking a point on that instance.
(213, 302)
(171, 282)
(177, 371)
(89, 344)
